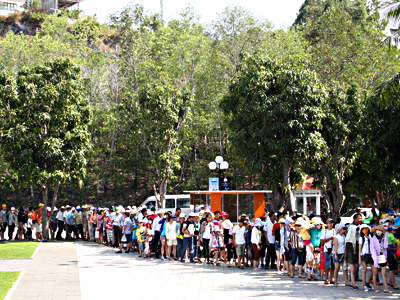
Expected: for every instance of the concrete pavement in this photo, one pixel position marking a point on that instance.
(80, 270)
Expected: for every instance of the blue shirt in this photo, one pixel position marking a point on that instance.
(71, 218)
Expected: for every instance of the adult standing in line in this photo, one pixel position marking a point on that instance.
(157, 234)
(66, 223)
(12, 222)
(39, 227)
(78, 222)
(298, 248)
(53, 223)
(71, 223)
(339, 249)
(256, 243)
(327, 237)
(163, 238)
(270, 240)
(393, 245)
(179, 235)
(278, 243)
(379, 246)
(188, 233)
(239, 241)
(206, 229)
(60, 223)
(20, 219)
(3, 220)
(170, 234)
(85, 223)
(93, 222)
(177, 214)
(127, 231)
(351, 251)
(227, 226)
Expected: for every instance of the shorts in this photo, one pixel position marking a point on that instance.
(128, 238)
(288, 254)
(256, 252)
(349, 256)
(53, 226)
(135, 243)
(329, 264)
(141, 245)
(393, 264)
(339, 260)
(367, 258)
(20, 225)
(163, 238)
(277, 246)
(299, 256)
(110, 235)
(240, 249)
(38, 228)
(85, 227)
(3, 227)
(172, 242)
(307, 242)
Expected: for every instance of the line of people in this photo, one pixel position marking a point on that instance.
(288, 244)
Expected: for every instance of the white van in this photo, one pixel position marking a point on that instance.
(171, 203)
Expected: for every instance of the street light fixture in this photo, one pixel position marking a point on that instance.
(219, 164)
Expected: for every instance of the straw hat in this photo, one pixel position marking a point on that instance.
(387, 218)
(299, 221)
(227, 224)
(282, 221)
(317, 221)
(378, 227)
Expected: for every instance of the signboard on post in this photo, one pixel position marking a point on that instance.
(213, 184)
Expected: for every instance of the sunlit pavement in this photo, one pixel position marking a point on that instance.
(80, 270)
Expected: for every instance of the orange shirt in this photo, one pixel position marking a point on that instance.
(39, 215)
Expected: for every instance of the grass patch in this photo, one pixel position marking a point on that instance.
(17, 250)
(7, 279)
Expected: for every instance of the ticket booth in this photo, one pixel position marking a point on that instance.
(235, 203)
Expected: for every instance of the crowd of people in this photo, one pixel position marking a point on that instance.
(308, 246)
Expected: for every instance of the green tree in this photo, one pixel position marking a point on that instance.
(335, 158)
(44, 134)
(159, 118)
(275, 112)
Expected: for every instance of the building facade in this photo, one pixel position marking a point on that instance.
(54, 5)
(10, 6)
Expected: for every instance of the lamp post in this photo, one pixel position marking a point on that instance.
(219, 164)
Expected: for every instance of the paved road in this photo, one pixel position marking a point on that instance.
(89, 271)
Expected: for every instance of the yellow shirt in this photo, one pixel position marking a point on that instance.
(141, 234)
(305, 234)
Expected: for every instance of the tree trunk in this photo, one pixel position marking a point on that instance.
(338, 203)
(53, 203)
(45, 224)
(287, 188)
(160, 191)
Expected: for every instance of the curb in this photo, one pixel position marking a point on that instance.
(14, 286)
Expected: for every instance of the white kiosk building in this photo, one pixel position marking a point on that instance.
(308, 199)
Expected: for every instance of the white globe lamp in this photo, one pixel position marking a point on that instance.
(212, 165)
(219, 159)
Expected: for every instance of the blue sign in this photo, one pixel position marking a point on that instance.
(213, 184)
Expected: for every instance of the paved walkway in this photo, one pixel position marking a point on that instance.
(89, 271)
(51, 274)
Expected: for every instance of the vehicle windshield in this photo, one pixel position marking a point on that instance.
(349, 213)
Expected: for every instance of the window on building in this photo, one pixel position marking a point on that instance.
(8, 6)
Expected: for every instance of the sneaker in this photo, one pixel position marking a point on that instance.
(279, 273)
(335, 285)
(355, 288)
(162, 257)
(368, 286)
(365, 288)
(285, 272)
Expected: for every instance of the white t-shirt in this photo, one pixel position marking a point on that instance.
(29, 224)
(239, 234)
(268, 229)
(207, 232)
(341, 243)
(326, 234)
(365, 247)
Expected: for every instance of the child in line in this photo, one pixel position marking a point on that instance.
(141, 234)
(217, 244)
(149, 238)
